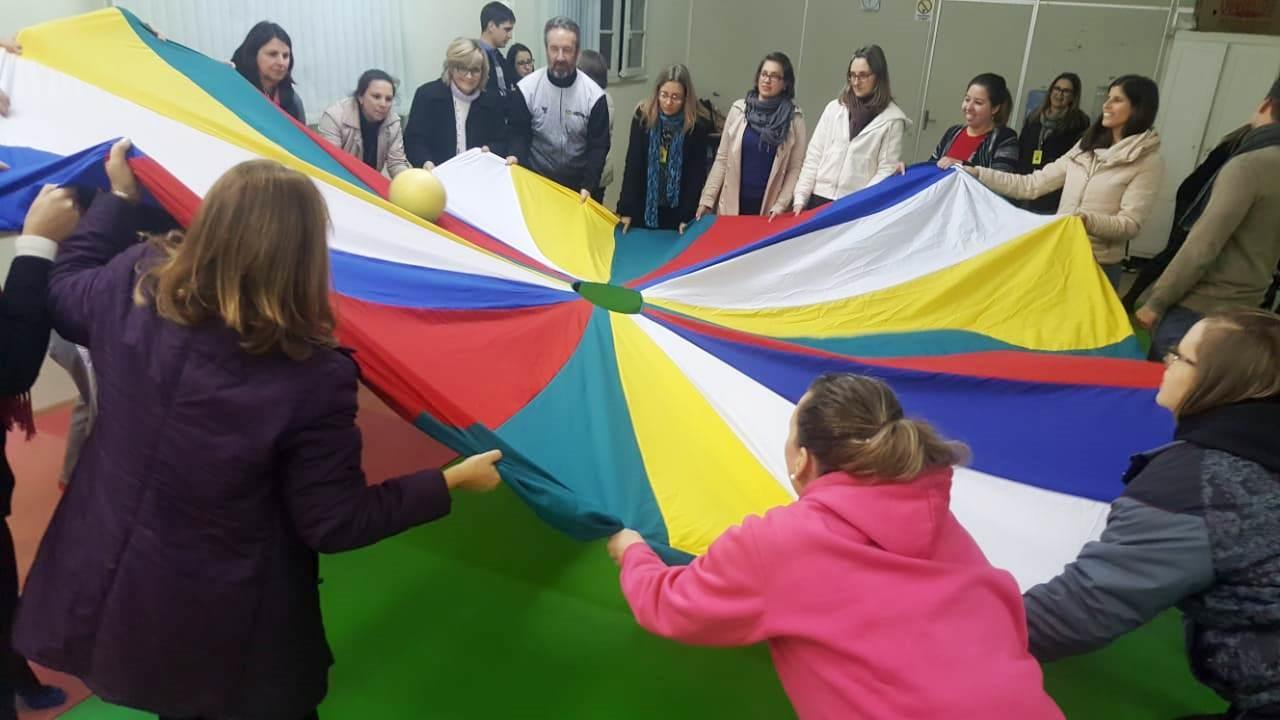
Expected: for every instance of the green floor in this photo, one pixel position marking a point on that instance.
(491, 614)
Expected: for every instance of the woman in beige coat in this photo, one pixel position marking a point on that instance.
(364, 125)
(1109, 179)
(761, 148)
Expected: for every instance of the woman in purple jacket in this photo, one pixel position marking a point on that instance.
(179, 572)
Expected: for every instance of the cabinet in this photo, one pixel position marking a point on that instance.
(1211, 85)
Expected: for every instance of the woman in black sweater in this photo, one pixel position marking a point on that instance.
(455, 113)
(1054, 128)
(666, 158)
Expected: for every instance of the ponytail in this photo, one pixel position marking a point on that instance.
(855, 424)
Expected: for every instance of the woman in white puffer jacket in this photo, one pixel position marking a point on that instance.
(858, 140)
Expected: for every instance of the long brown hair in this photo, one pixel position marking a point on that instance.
(855, 423)
(677, 74)
(882, 95)
(1238, 359)
(1144, 98)
(255, 258)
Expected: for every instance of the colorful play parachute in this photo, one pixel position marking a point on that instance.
(646, 380)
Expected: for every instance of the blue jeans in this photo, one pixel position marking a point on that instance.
(1175, 323)
(1113, 273)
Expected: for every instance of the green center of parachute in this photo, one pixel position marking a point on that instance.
(610, 297)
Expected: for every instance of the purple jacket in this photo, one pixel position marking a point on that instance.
(179, 572)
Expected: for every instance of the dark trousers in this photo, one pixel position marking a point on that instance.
(8, 605)
(16, 674)
(668, 219)
(816, 201)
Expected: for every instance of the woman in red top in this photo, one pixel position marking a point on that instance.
(983, 139)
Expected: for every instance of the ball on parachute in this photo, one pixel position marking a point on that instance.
(420, 192)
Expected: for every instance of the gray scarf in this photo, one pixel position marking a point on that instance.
(771, 118)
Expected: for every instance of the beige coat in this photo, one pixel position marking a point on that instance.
(1111, 190)
(340, 125)
(835, 166)
(724, 181)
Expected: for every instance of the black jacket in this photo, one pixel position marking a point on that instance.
(24, 324)
(498, 65)
(431, 132)
(693, 173)
(1056, 144)
(1196, 528)
(998, 152)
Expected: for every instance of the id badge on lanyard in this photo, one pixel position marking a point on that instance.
(1037, 158)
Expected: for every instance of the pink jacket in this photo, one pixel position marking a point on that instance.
(875, 601)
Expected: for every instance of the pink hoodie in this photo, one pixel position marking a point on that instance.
(875, 601)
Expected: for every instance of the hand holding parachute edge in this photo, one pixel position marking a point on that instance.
(622, 540)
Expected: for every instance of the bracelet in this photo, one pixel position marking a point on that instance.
(124, 196)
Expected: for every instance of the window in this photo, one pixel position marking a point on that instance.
(334, 41)
(614, 28)
(628, 55)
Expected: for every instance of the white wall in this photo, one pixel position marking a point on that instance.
(17, 14)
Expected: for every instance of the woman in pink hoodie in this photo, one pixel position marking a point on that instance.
(876, 603)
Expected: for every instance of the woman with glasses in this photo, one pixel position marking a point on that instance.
(519, 61)
(1050, 131)
(858, 141)
(1196, 527)
(761, 148)
(666, 157)
(454, 114)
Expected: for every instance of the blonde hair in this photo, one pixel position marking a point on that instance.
(1238, 360)
(462, 53)
(255, 258)
(677, 74)
(855, 424)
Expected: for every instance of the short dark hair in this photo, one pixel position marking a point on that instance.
(560, 22)
(369, 76)
(1274, 98)
(1144, 97)
(496, 13)
(998, 93)
(593, 64)
(788, 73)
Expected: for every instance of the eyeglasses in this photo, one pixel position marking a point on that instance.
(524, 63)
(1062, 91)
(1174, 356)
(770, 76)
(466, 71)
(670, 97)
(861, 76)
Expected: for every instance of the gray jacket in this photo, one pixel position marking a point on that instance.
(1197, 528)
(560, 128)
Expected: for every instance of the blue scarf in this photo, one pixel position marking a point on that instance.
(672, 127)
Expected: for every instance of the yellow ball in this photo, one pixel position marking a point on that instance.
(420, 192)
